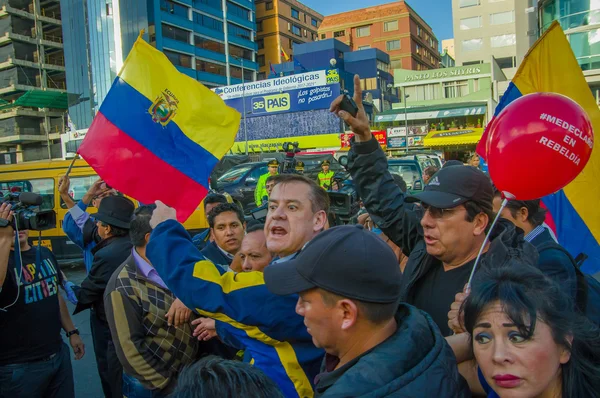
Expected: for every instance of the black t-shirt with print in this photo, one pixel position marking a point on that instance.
(30, 329)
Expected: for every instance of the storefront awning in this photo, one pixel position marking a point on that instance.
(433, 112)
(453, 137)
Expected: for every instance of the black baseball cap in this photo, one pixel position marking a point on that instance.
(451, 163)
(453, 186)
(349, 261)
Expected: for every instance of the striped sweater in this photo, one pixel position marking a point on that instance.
(149, 349)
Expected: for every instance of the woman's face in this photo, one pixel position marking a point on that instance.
(515, 367)
(475, 161)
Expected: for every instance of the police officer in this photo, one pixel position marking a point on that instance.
(299, 167)
(325, 176)
(260, 193)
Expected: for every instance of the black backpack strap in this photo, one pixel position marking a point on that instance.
(581, 297)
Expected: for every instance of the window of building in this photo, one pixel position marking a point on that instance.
(305, 32)
(363, 31)
(179, 59)
(472, 63)
(470, 23)
(418, 49)
(455, 89)
(109, 9)
(392, 45)
(296, 30)
(314, 22)
(506, 62)
(269, 5)
(295, 14)
(211, 67)
(383, 66)
(364, 47)
(237, 73)
(238, 11)
(425, 92)
(238, 31)
(468, 3)
(305, 18)
(369, 84)
(174, 8)
(171, 32)
(396, 64)
(472, 44)
(208, 22)
(313, 36)
(503, 40)
(339, 33)
(240, 52)
(501, 18)
(291, 43)
(260, 60)
(323, 36)
(211, 3)
(262, 76)
(390, 26)
(260, 43)
(259, 27)
(208, 44)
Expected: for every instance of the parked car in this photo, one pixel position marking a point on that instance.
(410, 170)
(425, 159)
(240, 182)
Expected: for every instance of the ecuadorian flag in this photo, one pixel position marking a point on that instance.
(159, 133)
(551, 66)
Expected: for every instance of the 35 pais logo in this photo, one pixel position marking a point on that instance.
(333, 76)
(164, 107)
(271, 103)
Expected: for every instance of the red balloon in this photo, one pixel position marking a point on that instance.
(538, 144)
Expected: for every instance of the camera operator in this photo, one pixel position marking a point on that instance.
(34, 361)
(300, 167)
(78, 224)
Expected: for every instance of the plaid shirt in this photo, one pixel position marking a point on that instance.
(147, 347)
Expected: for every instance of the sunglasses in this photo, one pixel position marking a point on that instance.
(436, 212)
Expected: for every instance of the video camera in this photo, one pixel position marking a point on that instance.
(27, 213)
(344, 202)
(289, 163)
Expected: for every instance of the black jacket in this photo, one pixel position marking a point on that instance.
(401, 222)
(415, 362)
(212, 252)
(556, 265)
(109, 254)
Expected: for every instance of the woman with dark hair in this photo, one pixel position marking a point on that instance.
(428, 173)
(527, 340)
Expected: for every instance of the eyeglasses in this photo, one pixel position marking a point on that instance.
(436, 212)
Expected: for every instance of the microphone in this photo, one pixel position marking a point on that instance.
(30, 198)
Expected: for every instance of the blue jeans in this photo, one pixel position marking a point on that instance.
(132, 388)
(49, 378)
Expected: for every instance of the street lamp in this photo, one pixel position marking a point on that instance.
(406, 120)
(243, 102)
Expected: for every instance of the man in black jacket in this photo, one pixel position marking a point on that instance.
(443, 235)
(112, 228)
(374, 346)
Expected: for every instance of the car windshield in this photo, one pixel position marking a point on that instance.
(408, 172)
(234, 175)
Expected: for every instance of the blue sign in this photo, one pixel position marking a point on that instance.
(299, 100)
(396, 142)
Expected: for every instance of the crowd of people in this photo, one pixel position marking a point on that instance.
(297, 308)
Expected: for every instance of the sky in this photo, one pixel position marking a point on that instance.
(437, 13)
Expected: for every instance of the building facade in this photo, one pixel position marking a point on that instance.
(372, 65)
(33, 95)
(281, 25)
(448, 46)
(503, 29)
(212, 41)
(580, 19)
(394, 28)
(445, 109)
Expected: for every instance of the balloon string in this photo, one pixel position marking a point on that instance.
(485, 241)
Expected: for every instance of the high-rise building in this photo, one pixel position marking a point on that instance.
(486, 28)
(281, 24)
(580, 19)
(394, 28)
(33, 96)
(448, 46)
(213, 41)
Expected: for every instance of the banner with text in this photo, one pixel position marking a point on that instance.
(305, 99)
(380, 136)
(286, 83)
